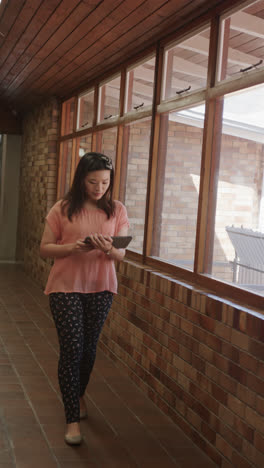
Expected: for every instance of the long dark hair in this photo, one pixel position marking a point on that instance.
(74, 200)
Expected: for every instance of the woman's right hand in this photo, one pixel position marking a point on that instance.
(81, 246)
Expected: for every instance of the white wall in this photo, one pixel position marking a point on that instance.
(10, 150)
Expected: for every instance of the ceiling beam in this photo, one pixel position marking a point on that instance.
(249, 24)
(200, 45)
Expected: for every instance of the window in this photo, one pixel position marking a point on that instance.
(106, 142)
(65, 166)
(83, 145)
(67, 117)
(139, 86)
(133, 187)
(177, 189)
(109, 100)
(192, 177)
(240, 191)
(242, 42)
(185, 66)
(85, 116)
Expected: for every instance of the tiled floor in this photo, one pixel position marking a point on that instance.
(124, 429)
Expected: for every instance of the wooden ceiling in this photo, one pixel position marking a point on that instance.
(53, 47)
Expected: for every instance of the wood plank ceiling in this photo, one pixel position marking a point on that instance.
(53, 47)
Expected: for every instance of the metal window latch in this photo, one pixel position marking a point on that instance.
(251, 66)
(184, 90)
(108, 116)
(84, 125)
(140, 105)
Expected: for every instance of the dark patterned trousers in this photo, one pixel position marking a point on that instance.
(79, 319)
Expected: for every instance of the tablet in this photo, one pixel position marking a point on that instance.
(119, 242)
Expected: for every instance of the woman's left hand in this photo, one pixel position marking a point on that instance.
(103, 243)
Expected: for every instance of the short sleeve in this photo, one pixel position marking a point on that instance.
(54, 219)
(122, 218)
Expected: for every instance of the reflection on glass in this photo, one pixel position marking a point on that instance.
(109, 96)
(136, 153)
(242, 45)
(67, 117)
(85, 110)
(178, 181)
(106, 142)
(185, 66)
(238, 250)
(139, 86)
(65, 168)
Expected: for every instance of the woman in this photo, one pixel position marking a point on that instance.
(82, 280)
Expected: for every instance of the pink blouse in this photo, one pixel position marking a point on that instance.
(84, 272)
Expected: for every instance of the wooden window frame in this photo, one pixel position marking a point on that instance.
(212, 96)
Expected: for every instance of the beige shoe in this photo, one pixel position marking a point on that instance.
(73, 440)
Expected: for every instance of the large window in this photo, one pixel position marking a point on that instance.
(106, 142)
(65, 166)
(176, 201)
(184, 127)
(134, 185)
(238, 254)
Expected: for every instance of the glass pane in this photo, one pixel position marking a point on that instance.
(109, 96)
(85, 110)
(185, 66)
(106, 142)
(239, 228)
(139, 86)
(67, 117)
(178, 181)
(83, 145)
(65, 168)
(136, 153)
(242, 42)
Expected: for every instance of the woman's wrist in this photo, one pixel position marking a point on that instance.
(108, 252)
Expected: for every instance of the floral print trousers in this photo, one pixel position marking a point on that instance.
(79, 319)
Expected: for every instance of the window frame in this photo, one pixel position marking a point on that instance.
(213, 91)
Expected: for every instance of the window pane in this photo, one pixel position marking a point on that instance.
(65, 168)
(242, 41)
(240, 191)
(83, 145)
(67, 117)
(109, 96)
(178, 183)
(106, 142)
(185, 66)
(85, 110)
(134, 187)
(139, 86)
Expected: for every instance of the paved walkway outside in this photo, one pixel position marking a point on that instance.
(124, 429)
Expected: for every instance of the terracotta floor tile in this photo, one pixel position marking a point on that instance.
(124, 429)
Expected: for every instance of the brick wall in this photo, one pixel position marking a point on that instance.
(197, 356)
(38, 179)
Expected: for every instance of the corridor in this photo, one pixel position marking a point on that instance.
(124, 429)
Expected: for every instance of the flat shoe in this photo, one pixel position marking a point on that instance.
(73, 440)
(83, 414)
